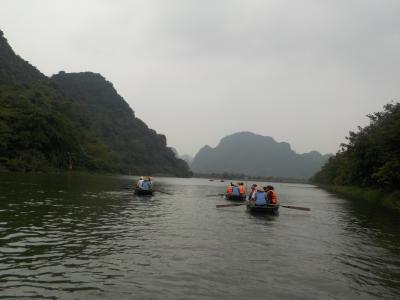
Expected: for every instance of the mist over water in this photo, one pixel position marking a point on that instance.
(84, 236)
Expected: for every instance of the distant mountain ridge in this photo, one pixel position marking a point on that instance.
(257, 155)
(73, 120)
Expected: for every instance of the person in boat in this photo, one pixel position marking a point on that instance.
(253, 190)
(229, 189)
(259, 197)
(146, 184)
(140, 181)
(242, 190)
(236, 191)
(271, 195)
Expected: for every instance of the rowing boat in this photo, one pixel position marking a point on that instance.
(142, 192)
(263, 209)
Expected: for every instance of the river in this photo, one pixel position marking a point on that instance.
(86, 237)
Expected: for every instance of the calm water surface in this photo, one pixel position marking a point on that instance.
(85, 237)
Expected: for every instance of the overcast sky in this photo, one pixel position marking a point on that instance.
(303, 72)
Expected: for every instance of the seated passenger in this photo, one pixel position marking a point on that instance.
(253, 190)
(259, 196)
(235, 190)
(140, 181)
(229, 189)
(271, 195)
(146, 184)
(242, 189)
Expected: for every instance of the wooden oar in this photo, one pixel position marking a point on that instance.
(245, 203)
(296, 207)
(162, 192)
(230, 205)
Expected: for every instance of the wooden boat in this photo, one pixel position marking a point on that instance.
(263, 209)
(141, 192)
(235, 198)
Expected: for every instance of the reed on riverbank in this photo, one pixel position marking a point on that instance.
(371, 196)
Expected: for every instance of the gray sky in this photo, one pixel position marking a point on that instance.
(304, 72)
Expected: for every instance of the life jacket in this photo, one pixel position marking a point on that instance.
(235, 191)
(242, 190)
(229, 190)
(274, 199)
(260, 198)
(146, 185)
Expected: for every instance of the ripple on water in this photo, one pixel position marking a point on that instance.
(94, 241)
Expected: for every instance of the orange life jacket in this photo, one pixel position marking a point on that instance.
(274, 199)
(229, 190)
(242, 189)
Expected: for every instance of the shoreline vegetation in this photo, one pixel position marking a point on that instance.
(370, 196)
(367, 167)
(73, 121)
(235, 176)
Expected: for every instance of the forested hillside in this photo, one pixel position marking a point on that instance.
(371, 157)
(73, 121)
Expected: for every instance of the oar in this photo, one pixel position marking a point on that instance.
(230, 205)
(296, 207)
(245, 203)
(215, 195)
(162, 192)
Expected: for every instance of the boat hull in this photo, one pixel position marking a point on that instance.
(263, 209)
(141, 192)
(235, 198)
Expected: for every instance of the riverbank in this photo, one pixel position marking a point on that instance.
(243, 177)
(371, 196)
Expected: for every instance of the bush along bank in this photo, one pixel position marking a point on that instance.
(370, 196)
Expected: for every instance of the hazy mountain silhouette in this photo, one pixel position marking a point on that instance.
(256, 155)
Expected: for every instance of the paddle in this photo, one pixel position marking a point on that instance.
(296, 207)
(215, 195)
(162, 192)
(246, 203)
(230, 204)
